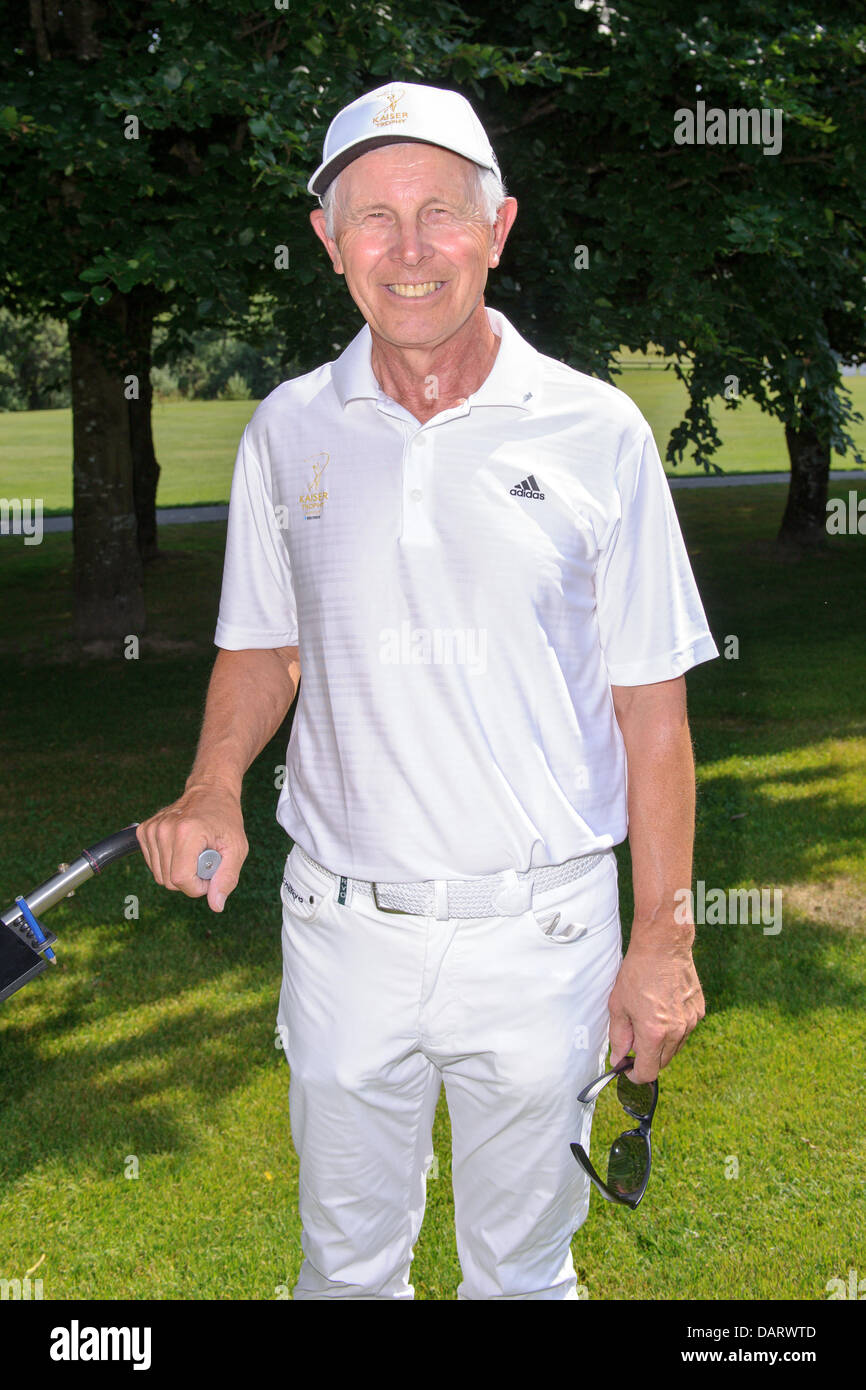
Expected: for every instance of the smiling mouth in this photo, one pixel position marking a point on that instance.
(416, 291)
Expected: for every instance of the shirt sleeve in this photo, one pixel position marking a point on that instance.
(652, 625)
(257, 602)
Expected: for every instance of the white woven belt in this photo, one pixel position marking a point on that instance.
(508, 892)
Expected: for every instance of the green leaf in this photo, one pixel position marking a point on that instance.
(172, 78)
(100, 294)
(8, 116)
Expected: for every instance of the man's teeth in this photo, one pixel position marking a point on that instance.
(416, 291)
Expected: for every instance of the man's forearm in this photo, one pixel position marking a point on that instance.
(657, 1000)
(661, 802)
(249, 695)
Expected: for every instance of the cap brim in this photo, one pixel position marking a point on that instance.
(327, 172)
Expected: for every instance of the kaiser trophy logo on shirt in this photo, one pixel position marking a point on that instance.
(389, 115)
(314, 499)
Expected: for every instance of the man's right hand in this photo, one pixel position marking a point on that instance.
(249, 695)
(207, 816)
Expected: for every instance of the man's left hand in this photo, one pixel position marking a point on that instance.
(654, 1005)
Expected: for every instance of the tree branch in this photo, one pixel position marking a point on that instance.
(545, 106)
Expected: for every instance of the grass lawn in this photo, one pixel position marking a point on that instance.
(151, 1047)
(196, 441)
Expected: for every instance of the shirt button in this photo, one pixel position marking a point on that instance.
(419, 441)
(416, 494)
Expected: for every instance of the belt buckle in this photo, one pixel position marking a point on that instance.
(398, 910)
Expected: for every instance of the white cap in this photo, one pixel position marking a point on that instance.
(402, 111)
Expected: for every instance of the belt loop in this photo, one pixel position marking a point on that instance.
(440, 899)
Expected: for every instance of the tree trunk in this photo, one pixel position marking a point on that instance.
(109, 599)
(805, 519)
(141, 307)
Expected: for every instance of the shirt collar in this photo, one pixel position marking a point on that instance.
(514, 379)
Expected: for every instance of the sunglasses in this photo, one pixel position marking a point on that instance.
(628, 1164)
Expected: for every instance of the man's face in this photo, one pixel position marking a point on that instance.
(413, 246)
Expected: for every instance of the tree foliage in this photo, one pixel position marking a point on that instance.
(160, 152)
(34, 363)
(740, 264)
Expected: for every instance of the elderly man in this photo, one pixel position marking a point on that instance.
(470, 552)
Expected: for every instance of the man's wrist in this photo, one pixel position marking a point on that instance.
(222, 781)
(662, 928)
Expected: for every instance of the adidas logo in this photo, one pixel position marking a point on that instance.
(528, 488)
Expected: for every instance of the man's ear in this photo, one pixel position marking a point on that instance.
(317, 218)
(504, 222)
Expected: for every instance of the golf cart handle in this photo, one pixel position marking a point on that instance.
(113, 847)
(93, 861)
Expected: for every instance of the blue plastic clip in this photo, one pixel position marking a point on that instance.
(35, 928)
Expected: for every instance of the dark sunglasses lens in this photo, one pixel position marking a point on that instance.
(628, 1164)
(638, 1099)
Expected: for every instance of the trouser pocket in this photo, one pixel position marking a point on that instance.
(578, 910)
(304, 890)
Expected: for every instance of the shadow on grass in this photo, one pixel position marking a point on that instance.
(73, 1105)
(757, 835)
(89, 747)
(153, 1023)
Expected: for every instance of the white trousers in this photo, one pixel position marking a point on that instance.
(376, 1011)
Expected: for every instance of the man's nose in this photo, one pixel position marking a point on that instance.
(411, 244)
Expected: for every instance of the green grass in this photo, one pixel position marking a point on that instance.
(196, 442)
(154, 1037)
(752, 442)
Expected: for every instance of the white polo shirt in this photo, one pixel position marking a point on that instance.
(464, 593)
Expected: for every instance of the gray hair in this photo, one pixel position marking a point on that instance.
(490, 194)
